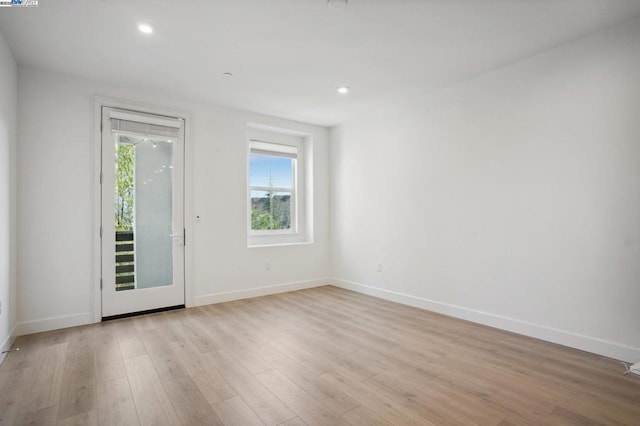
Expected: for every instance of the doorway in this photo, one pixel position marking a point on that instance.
(142, 212)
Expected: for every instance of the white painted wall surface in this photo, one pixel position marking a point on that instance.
(55, 202)
(8, 145)
(512, 199)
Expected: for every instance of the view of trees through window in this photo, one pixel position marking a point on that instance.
(270, 211)
(124, 205)
(124, 186)
(271, 181)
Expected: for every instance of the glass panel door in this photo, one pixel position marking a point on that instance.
(143, 253)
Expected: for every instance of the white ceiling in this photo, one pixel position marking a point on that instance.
(288, 56)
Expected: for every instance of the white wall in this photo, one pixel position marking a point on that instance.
(512, 199)
(55, 202)
(8, 143)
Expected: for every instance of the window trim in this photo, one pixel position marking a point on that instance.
(264, 150)
(267, 143)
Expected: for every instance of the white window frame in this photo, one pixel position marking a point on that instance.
(284, 145)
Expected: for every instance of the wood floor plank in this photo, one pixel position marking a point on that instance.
(190, 405)
(153, 405)
(360, 416)
(349, 329)
(319, 356)
(129, 341)
(408, 337)
(234, 411)
(25, 357)
(243, 350)
(332, 398)
(263, 402)
(563, 416)
(264, 330)
(42, 417)
(109, 362)
(145, 323)
(314, 362)
(500, 389)
(190, 327)
(14, 384)
(435, 401)
(255, 333)
(165, 360)
(78, 389)
(45, 385)
(296, 421)
(367, 396)
(307, 408)
(168, 321)
(201, 370)
(115, 403)
(89, 418)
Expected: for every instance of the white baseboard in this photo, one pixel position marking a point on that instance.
(8, 342)
(53, 323)
(549, 334)
(228, 296)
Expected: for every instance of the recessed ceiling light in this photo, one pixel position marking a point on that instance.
(337, 4)
(343, 90)
(145, 28)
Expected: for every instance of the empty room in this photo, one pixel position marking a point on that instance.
(319, 212)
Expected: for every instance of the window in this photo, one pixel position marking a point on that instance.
(272, 182)
(276, 196)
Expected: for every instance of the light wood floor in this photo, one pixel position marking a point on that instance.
(319, 356)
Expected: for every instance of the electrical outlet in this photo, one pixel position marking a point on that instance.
(379, 269)
(267, 266)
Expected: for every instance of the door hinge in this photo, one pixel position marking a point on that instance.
(100, 283)
(184, 236)
(101, 125)
(100, 231)
(100, 178)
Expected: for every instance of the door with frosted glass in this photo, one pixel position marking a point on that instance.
(142, 212)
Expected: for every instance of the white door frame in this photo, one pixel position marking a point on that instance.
(99, 102)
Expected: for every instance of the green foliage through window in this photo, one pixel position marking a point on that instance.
(271, 211)
(125, 163)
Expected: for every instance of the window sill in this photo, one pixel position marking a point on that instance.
(301, 243)
(276, 239)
